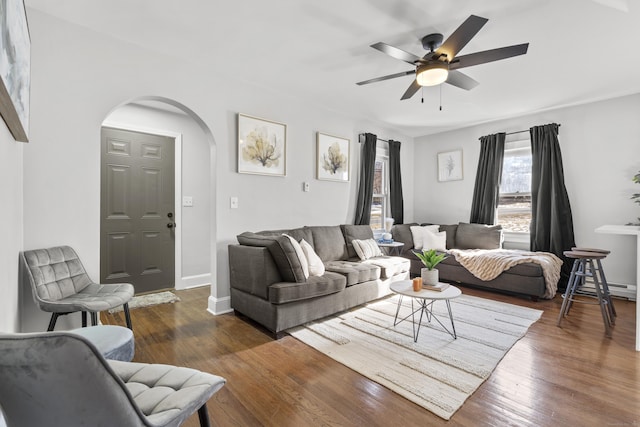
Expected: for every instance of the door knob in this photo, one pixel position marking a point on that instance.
(171, 225)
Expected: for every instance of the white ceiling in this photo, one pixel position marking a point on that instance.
(580, 50)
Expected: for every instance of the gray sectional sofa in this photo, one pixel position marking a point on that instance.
(268, 284)
(525, 279)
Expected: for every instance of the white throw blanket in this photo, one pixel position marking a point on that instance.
(487, 264)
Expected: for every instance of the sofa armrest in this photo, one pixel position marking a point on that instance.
(252, 269)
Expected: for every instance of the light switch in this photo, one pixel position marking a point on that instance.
(233, 202)
(187, 201)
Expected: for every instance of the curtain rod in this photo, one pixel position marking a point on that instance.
(361, 136)
(520, 131)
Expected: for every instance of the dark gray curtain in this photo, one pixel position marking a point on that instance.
(551, 219)
(395, 183)
(487, 188)
(365, 188)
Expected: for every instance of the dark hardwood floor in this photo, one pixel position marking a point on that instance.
(569, 376)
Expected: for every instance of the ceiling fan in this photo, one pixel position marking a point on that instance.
(440, 64)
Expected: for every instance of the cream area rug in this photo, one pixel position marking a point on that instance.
(437, 372)
(148, 300)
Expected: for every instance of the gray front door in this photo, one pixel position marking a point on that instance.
(137, 236)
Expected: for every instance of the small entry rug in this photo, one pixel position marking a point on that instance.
(438, 372)
(148, 300)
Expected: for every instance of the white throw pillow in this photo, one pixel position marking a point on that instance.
(418, 234)
(437, 241)
(366, 248)
(301, 256)
(316, 266)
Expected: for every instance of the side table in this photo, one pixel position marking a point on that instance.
(392, 248)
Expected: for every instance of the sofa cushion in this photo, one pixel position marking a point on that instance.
(402, 233)
(451, 234)
(478, 236)
(302, 258)
(366, 248)
(354, 271)
(329, 243)
(390, 265)
(316, 286)
(316, 267)
(302, 233)
(355, 232)
(282, 251)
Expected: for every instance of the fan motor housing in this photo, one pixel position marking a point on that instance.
(432, 41)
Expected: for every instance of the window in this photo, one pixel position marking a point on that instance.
(379, 203)
(514, 205)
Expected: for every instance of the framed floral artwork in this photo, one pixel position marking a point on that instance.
(450, 166)
(333, 159)
(262, 146)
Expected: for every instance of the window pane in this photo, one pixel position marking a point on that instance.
(514, 205)
(378, 178)
(377, 213)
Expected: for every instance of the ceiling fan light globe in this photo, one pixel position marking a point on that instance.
(432, 74)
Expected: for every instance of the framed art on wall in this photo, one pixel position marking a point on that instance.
(450, 166)
(332, 161)
(15, 68)
(262, 146)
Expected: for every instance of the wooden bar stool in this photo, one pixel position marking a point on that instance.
(583, 267)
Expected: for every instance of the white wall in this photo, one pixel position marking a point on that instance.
(194, 222)
(11, 154)
(79, 77)
(600, 145)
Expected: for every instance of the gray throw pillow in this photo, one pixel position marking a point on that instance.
(478, 236)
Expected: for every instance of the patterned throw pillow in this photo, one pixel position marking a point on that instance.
(366, 248)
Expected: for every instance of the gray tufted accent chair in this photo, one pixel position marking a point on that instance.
(61, 285)
(61, 379)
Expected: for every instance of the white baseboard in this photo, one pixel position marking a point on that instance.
(616, 289)
(189, 282)
(219, 305)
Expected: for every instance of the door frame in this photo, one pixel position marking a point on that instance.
(178, 285)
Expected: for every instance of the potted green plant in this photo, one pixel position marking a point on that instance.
(430, 258)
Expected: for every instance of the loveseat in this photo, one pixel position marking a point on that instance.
(525, 279)
(269, 284)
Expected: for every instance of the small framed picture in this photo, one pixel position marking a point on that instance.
(450, 166)
(262, 146)
(332, 158)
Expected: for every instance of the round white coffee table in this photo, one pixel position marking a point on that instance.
(425, 300)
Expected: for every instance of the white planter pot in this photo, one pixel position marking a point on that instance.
(429, 277)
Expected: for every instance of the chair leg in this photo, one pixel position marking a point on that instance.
(127, 315)
(203, 416)
(94, 318)
(52, 322)
(84, 319)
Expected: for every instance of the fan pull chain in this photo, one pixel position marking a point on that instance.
(422, 93)
(440, 97)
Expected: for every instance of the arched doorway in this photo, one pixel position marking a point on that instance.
(194, 210)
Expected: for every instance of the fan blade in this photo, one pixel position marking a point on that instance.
(460, 37)
(461, 80)
(488, 56)
(411, 90)
(397, 53)
(390, 76)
